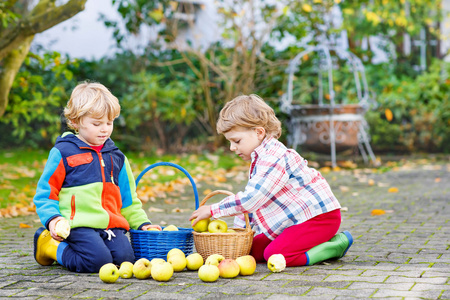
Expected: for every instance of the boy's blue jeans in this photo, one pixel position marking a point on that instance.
(86, 250)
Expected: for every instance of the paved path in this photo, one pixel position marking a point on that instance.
(403, 254)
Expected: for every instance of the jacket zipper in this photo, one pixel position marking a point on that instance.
(72, 209)
(112, 169)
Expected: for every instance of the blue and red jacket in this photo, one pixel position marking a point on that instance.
(88, 188)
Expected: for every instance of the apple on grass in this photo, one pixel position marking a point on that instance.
(171, 228)
(109, 273)
(217, 226)
(276, 263)
(228, 268)
(126, 269)
(201, 226)
(208, 273)
(214, 259)
(142, 268)
(162, 271)
(194, 261)
(247, 265)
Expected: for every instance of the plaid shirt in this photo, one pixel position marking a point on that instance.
(282, 191)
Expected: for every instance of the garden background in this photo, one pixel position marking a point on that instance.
(173, 87)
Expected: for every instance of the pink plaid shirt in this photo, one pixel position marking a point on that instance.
(282, 191)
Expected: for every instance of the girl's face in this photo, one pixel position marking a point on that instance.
(94, 132)
(244, 141)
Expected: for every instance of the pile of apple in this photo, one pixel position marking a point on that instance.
(215, 226)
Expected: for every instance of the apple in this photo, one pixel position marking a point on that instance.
(247, 265)
(175, 251)
(157, 261)
(178, 262)
(142, 268)
(153, 229)
(162, 271)
(208, 273)
(171, 228)
(276, 263)
(230, 230)
(62, 228)
(194, 261)
(228, 268)
(109, 273)
(214, 259)
(126, 269)
(217, 226)
(201, 226)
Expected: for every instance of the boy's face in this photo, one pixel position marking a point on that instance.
(94, 132)
(244, 141)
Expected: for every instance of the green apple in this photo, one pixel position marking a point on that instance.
(194, 261)
(175, 251)
(214, 259)
(276, 263)
(126, 269)
(62, 228)
(142, 268)
(217, 226)
(109, 273)
(157, 261)
(162, 271)
(208, 273)
(247, 265)
(201, 226)
(178, 262)
(228, 268)
(171, 228)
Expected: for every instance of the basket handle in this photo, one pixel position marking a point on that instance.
(194, 187)
(216, 192)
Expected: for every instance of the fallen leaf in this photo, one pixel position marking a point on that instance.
(23, 225)
(371, 182)
(378, 212)
(437, 179)
(393, 190)
(344, 188)
(207, 191)
(154, 209)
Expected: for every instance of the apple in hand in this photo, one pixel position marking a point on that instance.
(247, 265)
(109, 273)
(208, 273)
(162, 271)
(276, 263)
(62, 228)
(217, 226)
(214, 259)
(194, 261)
(228, 268)
(126, 269)
(171, 228)
(142, 268)
(201, 226)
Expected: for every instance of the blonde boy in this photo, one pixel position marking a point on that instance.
(291, 206)
(87, 182)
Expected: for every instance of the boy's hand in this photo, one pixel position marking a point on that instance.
(51, 227)
(203, 212)
(147, 227)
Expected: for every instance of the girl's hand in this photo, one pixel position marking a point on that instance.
(51, 227)
(203, 212)
(147, 227)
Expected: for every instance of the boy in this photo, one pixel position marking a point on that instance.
(88, 181)
(291, 206)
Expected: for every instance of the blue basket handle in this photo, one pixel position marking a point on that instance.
(177, 167)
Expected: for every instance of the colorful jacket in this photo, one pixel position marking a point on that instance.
(88, 188)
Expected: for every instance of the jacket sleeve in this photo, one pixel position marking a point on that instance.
(49, 185)
(131, 205)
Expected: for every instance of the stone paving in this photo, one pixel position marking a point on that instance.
(402, 254)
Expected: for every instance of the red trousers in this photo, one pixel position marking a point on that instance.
(294, 241)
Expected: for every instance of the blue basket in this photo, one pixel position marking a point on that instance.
(156, 244)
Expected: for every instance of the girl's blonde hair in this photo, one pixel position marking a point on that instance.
(92, 99)
(248, 112)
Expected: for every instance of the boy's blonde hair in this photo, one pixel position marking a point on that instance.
(92, 99)
(248, 112)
